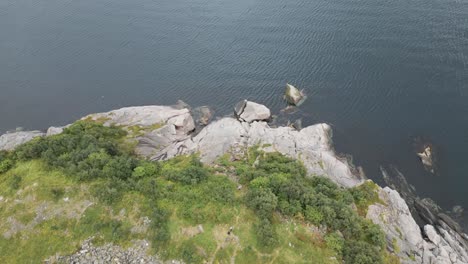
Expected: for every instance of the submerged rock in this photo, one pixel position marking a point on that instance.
(297, 124)
(248, 111)
(427, 153)
(202, 115)
(426, 157)
(293, 96)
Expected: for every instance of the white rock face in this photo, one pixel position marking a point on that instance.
(311, 145)
(432, 234)
(9, 141)
(145, 116)
(250, 111)
(395, 219)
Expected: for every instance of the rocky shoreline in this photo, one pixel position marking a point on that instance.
(163, 132)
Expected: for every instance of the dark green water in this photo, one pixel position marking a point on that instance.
(382, 72)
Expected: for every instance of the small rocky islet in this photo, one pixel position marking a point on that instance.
(164, 132)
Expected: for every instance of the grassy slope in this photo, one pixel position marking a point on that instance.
(83, 216)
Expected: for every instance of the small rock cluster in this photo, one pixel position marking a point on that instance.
(109, 254)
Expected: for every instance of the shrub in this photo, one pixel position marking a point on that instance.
(335, 241)
(193, 173)
(15, 182)
(6, 165)
(260, 182)
(262, 201)
(189, 252)
(275, 162)
(266, 233)
(146, 169)
(365, 195)
(57, 193)
(111, 191)
(31, 150)
(280, 183)
(313, 215)
(360, 252)
(160, 226)
(220, 189)
(86, 149)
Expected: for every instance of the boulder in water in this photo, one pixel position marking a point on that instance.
(293, 96)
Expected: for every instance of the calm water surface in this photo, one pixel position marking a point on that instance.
(380, 71)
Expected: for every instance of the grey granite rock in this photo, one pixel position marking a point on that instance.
(51, 131)
(9, 141)
(159, 126)
(312, 145)
(202, 115)
(248, 111)
(443, 245)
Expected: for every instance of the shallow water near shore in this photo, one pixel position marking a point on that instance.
(381, 72)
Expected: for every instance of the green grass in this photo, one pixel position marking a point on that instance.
(67, 226)
(365, 195)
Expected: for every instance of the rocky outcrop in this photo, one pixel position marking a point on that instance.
(162, 132)
(153, 127)
(312, 145)
(404, 236)
(9, 141)
(247, 111)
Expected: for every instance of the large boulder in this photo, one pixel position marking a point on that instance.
(250, 111)
(9, 141)
(293, 96)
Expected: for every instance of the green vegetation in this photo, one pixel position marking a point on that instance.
(365, 195)
(87, 182)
